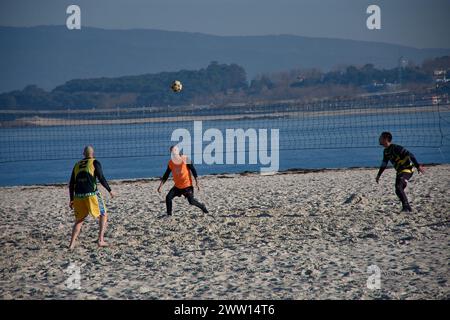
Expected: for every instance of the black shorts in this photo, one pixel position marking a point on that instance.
(183, 192)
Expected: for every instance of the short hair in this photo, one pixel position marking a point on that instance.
(386, 135)
(88, 149)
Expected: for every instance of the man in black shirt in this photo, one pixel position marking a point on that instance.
(403, 162)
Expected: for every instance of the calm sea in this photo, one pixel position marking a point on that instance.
(42, 155)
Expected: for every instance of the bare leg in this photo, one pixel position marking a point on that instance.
(102, 221)
(75, 232)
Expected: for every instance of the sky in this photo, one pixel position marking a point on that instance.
(416, 23)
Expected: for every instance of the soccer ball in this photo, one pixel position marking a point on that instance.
(176, 86)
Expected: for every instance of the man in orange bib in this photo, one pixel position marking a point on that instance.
(181, 170)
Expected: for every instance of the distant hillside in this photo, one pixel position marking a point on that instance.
(50, 55)
(142, 90)
(221, 84)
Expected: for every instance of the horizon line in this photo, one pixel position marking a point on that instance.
(231, 35)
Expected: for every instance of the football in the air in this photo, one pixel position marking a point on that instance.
(176, 86)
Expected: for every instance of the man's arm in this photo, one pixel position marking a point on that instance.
(72, 187)
(194, 174)
(164, 178)
(405, 153)
(383, 166)
(101, 178)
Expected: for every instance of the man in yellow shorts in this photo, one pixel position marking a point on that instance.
(85, 198)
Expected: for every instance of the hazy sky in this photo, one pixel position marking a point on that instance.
(417, 23)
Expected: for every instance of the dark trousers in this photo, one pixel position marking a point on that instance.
(188, 193)
(400, 184)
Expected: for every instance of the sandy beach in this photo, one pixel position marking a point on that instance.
(301, 113)
(291, 235)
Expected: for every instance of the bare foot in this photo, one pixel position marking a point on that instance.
(102, 244)
(71, 246)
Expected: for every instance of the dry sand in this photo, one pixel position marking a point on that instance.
(287, 236)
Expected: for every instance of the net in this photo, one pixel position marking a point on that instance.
(415, 120)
